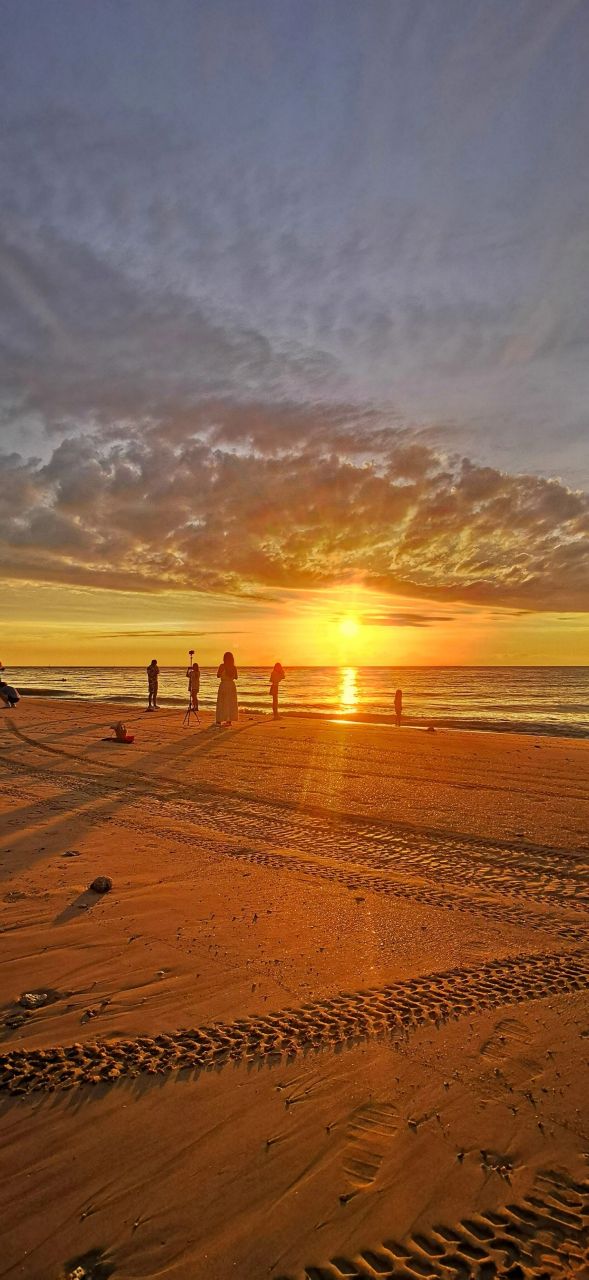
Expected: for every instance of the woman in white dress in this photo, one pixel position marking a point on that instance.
(227, 695)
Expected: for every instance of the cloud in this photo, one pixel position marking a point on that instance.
(144, 267)
(405, 619)
(162, 635)
(82, 343)
(201, 332)
(231, 504)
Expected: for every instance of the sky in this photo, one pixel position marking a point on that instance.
(294, 327)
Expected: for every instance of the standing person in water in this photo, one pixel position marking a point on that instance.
(276, 675)
(152, 685)
(227, 696)
(398, 707)
(193, 677)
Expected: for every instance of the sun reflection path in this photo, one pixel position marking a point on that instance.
(348, 694)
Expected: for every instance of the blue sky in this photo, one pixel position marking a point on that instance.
(306, 217)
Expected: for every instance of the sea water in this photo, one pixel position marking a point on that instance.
(545, 700)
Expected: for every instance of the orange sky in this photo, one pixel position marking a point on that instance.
(48, 625)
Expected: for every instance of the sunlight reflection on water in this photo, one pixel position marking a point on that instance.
(348, 694)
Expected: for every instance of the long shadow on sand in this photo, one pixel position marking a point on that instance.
(84, 903)
(117, 788)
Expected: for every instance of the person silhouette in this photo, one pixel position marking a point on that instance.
(227, 709)
(152, 685)
(193, 677)
(398, 707)
(276, 675)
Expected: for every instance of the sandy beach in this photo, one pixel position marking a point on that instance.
(329, 1021)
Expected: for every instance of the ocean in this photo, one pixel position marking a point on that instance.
(538, 700)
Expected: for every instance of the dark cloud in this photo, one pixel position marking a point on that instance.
(163, 635)
(405, 619)
(232, 507)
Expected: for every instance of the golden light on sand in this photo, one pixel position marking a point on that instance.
(349, 627)
(348, 694)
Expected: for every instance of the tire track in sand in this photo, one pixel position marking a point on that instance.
(357, 868)
(298, 843)
(347, 1017)
(547, 922)
(543, 1236)
(515, 870)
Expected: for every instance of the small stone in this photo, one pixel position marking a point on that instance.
(101, 884)
(16, 1020)
(33, 999)
(71, 853)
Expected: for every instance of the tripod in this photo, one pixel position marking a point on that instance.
(191, 710)
(193, 686)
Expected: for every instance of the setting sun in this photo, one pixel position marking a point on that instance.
(349, 628)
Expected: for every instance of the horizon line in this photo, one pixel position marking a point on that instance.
(319, 666)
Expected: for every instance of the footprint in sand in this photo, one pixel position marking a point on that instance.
(369, 1133)
(508, 1035)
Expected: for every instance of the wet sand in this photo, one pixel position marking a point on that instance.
(329, 1021)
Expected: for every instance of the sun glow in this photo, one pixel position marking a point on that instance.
(349, 627)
